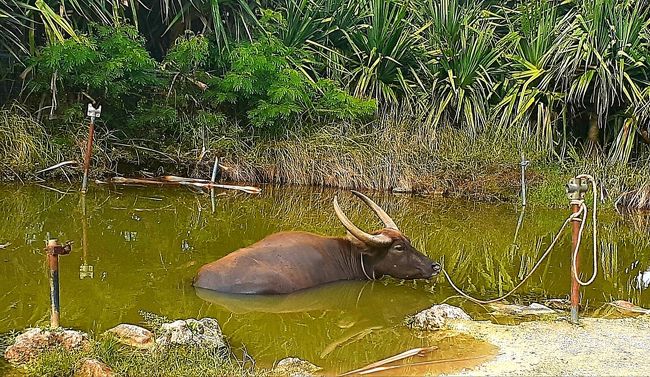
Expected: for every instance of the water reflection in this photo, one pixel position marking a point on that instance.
(145, 244)
(643, 279)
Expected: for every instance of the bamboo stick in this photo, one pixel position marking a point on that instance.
(398, 357)
(171, 180)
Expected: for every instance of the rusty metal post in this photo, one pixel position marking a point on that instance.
(92, 113)
(575, 189)
(53, 251)
(575, 287)
(53, 263)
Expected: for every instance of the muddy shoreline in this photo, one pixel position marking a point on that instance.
(597, 347)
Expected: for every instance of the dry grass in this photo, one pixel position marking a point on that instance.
(24, 143)
(389, 154)
(638, 199)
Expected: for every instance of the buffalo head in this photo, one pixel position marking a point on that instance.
(387, 251)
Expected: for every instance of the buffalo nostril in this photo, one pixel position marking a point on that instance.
(436, 268)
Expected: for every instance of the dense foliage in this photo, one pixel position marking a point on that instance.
(563, 74)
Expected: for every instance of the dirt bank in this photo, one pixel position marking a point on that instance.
(599, 347)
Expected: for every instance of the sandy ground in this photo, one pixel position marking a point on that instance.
(598, 347)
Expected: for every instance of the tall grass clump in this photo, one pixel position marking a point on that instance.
(24, 143)
(386, 154)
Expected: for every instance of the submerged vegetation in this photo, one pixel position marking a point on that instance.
(426, 95)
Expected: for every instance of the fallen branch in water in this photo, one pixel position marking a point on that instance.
(375, 367)
(173, 180)
(247, 189)
(59, 165)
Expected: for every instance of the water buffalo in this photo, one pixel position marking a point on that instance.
(289, 261)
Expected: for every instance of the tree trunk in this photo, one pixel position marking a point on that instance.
(593, 134)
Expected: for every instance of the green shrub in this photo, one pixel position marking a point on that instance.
(109, 65)
(261, 85)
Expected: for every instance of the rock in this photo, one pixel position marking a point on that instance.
(536, 309)
(132, 335)
(628, 308)
(94, 368)
(34, 341)
(295, 367)
(204, 333)
(435, 317)
(519, 310)
(558, 304)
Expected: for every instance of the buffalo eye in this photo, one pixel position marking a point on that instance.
(399, 247)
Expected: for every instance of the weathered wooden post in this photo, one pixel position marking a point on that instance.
(92, 113)
(575, 189)
(213, 178)
(53, 251)
(524, 164)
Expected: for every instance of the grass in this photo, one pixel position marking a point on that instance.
(181, 361)
(24, 144)
(126, 361)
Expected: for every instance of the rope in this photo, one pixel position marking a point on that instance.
(582, 211)
(363, 268)
(595, 248)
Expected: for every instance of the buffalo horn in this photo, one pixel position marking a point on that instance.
(388, 222)
(368, 239)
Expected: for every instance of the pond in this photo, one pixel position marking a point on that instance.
(146, 243)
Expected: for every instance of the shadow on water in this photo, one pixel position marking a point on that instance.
(138, 248)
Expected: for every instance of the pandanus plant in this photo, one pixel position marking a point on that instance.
(609, 68)
(466, 64)
(534, 100)
(385, 53)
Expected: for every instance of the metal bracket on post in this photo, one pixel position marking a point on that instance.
(576, 188)
(54, 249)
(575, 191)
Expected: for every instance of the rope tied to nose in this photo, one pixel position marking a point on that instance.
(363, 268)
(581, 216)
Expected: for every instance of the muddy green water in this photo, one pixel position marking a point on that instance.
(145, 245)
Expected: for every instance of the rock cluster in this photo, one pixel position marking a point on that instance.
(435, 317)
(30, 344)
(204, 333)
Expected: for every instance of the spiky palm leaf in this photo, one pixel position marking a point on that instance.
(466, 66)
(385, 53)
(534, 100)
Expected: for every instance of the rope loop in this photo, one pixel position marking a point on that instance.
(580, 216)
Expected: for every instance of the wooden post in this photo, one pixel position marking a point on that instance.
(524, 164)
